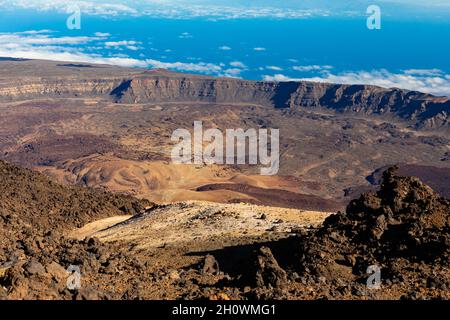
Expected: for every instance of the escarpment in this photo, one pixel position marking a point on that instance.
(172, 89)
(55, 88)
(123, 85)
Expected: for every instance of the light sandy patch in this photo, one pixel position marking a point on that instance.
(198, 221)
(90, 229)
(160, 181)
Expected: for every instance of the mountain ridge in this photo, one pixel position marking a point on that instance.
(137, 86)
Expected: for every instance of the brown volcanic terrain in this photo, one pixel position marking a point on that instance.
(40, 222)
(104, 126)
(198, 250)
(36, 79)
(217, 232)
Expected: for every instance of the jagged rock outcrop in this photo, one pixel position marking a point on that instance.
(210, 265)
(404, 228)
(269, 273)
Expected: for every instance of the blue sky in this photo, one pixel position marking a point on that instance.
(237, 8)
(316, 40)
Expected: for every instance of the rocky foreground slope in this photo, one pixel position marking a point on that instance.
(403, 229)
(26, 79)
(34, 214)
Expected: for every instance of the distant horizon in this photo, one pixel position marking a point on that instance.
(319, 41)
(76, 64)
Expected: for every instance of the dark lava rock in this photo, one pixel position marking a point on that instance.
(404, 228)
(268, 272)
(34, 267)
(89, 293)
(210, 265)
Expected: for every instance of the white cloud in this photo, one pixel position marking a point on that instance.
(38, 39)
(232, 73)
(259, 49)
(185, 35)
(438, 3)
(30, 32)
(274, 68)
(438, 85)
(279, 78)
(238, 64)
(424, 72)
(121, 43)
(72, 57)
(189, 10)
(86, 7)
(131, 45)
(102, 34)
(218, 9)
(48, 48)
(36, 46)
(201, 67)
(225, 48)
(312, 68)
(235, 72)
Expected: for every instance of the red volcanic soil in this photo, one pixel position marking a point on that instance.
(277, 197)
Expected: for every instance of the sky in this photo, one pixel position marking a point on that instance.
(233, 8)
(272, 40)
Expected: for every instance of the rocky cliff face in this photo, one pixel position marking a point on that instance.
(163, 89)
(57, 88)
(422, 109)
(137, 86)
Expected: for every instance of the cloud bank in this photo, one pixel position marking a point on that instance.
(167, 9)
(44, 44)
(41, 45)
(429, 81)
